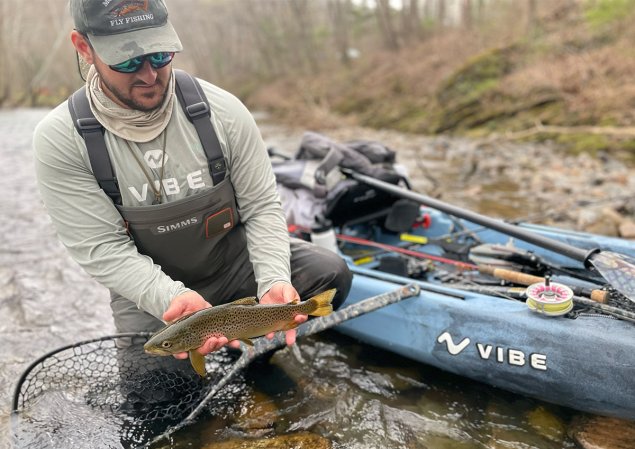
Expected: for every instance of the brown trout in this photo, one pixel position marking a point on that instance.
(241, 320)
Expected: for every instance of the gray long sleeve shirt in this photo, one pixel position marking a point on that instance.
(94, 233)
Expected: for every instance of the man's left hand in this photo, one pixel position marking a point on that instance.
(283, 293)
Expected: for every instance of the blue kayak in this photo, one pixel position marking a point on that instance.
(534, 310)
(583, 359)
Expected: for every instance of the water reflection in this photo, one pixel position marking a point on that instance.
(59, 420)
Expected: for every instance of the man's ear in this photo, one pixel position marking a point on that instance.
(82, 46)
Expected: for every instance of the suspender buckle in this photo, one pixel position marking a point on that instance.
(197, 109)
(88, 124)
(217, 166)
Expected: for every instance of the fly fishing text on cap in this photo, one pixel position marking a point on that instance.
(120, 30)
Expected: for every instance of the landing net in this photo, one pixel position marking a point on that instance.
(108, 393)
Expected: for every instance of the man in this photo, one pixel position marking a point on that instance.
(181, 231)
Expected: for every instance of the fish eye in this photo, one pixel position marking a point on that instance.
(166, 344)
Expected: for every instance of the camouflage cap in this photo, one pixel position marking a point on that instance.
(120, 30)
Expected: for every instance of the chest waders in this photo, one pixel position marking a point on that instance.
(198, 240)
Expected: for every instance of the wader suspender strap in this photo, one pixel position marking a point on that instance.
(193, 102)
(195, 105)
(93, 133)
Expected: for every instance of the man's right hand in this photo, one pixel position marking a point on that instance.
(186, 304)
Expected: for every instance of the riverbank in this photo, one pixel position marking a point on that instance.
(505, 179)
(567, 82)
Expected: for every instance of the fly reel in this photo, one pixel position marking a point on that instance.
(549, 298)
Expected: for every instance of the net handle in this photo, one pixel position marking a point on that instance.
(18, 388)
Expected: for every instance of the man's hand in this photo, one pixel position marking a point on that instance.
(282, 293)
(186, 304)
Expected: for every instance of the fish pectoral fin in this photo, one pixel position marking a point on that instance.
(198, 362)
(249, 301)
(247, 341)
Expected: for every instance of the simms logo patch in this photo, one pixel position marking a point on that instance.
(155, 158)
(176, 226)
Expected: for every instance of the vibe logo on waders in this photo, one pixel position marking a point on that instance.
(155, 158)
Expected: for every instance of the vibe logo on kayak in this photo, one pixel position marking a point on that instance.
(485, 351)
(453, 348)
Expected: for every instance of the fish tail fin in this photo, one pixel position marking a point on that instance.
(321, 303)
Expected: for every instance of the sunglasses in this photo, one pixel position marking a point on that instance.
(156, 60)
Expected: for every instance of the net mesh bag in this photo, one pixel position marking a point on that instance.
(108, 392)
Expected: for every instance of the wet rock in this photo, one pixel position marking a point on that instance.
(603, 222)
(258, 415)
(598, 432)
(300, 440)
(305, 377)
(399, 378)
(627, 229)
(503, 425)
(546, 423)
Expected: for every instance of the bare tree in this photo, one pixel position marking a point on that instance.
(386, 26)
(411, 20)
(340, 11)
(5, 75)
(466, 14)
(441, 12)
(235, 43)
(531, 14)
(304, 45)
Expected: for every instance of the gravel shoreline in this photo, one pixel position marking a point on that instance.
(517, 181)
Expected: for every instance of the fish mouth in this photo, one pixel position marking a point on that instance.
(155, 350)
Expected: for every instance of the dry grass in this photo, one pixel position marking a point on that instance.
(589, 69)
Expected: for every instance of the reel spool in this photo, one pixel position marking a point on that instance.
(549, 298)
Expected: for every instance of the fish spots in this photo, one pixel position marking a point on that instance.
(242, 320)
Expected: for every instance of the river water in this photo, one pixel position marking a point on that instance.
(331, 387)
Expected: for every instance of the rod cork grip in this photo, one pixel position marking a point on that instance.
(511, 276)
(601, 296)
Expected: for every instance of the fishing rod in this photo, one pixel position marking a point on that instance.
(391, 248)
(517, 277)
(482, 255)
(617, 269)
(520, 293)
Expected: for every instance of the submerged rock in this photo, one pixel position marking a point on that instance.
(599, 432)
(300, 440)
(546, 423)
(258, 415)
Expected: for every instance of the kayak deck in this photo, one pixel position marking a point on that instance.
(583, 360)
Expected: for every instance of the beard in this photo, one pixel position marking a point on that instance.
(127, 99)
